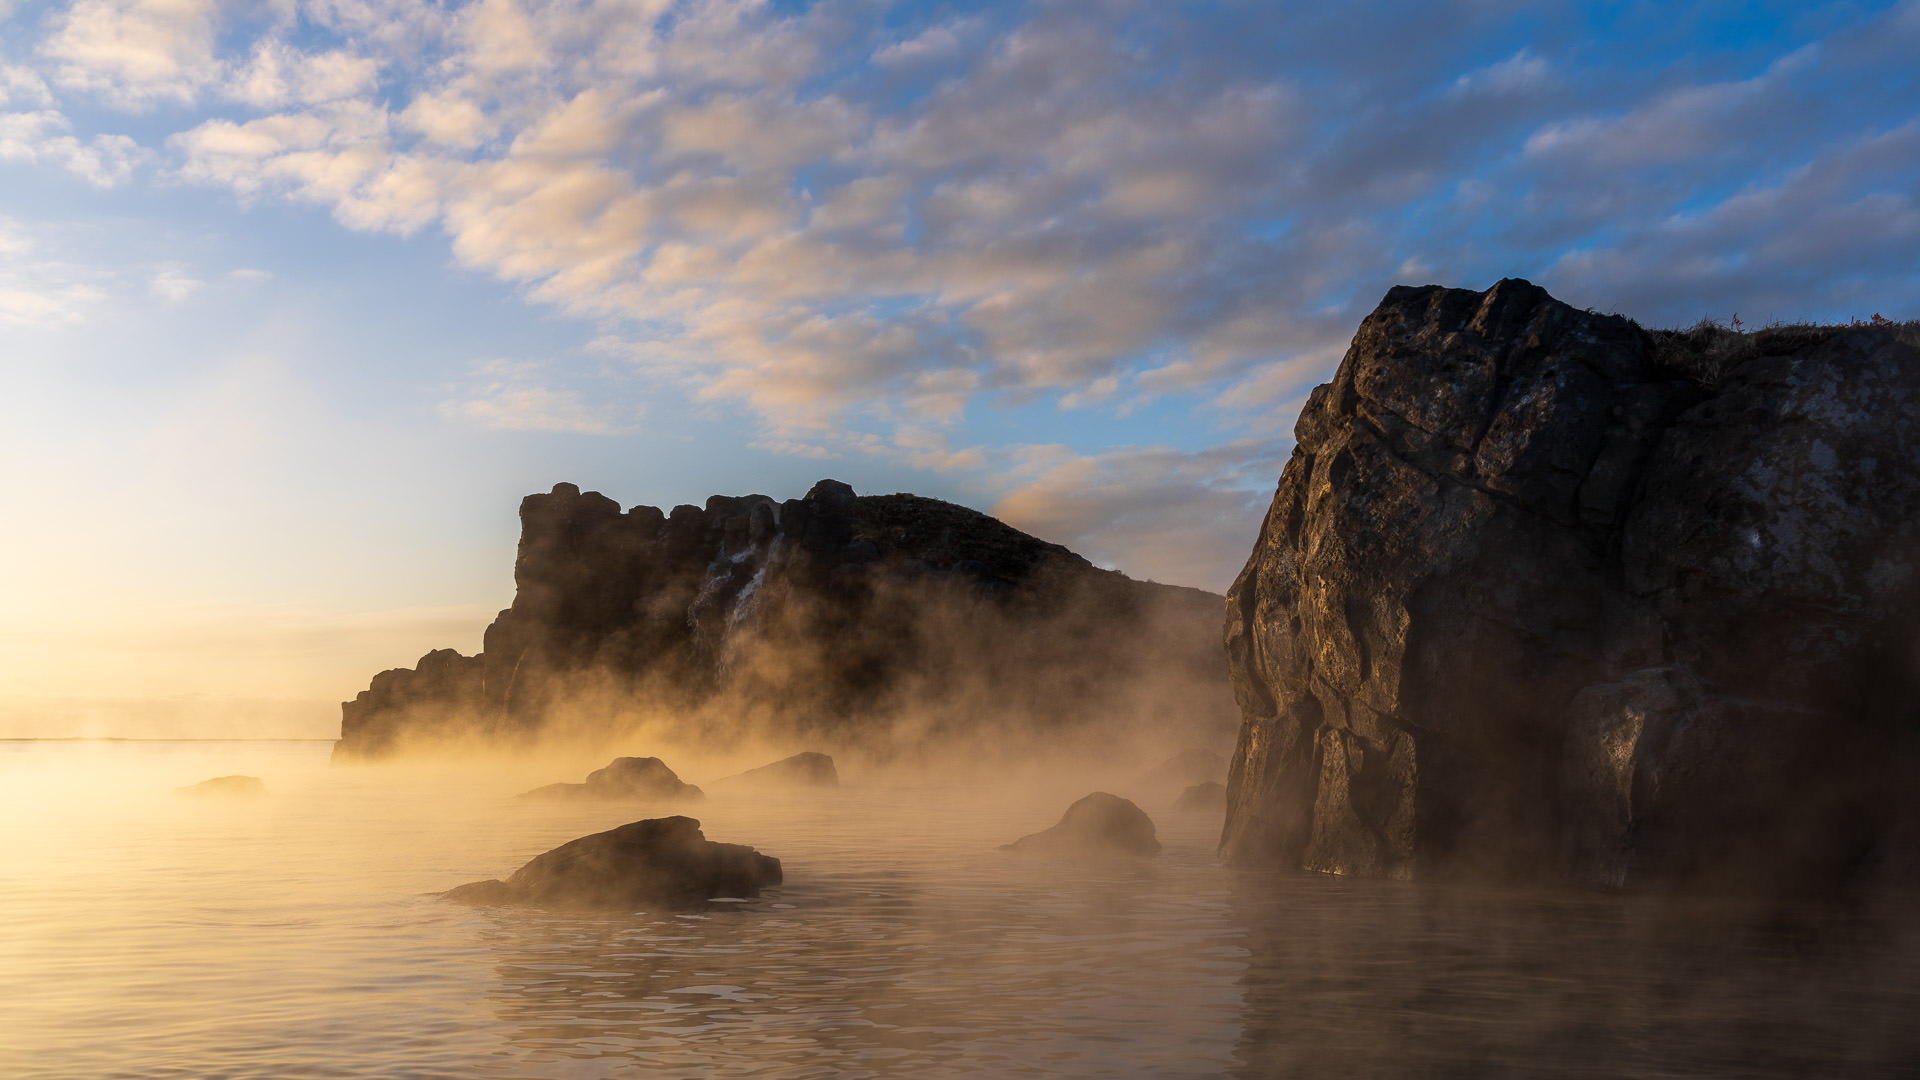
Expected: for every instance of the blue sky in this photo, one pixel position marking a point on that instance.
(297, 298)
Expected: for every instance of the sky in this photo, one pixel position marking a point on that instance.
(298, 298)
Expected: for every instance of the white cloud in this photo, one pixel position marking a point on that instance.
(510, 397)
(41, 138)
(135, 52)
(173, 284)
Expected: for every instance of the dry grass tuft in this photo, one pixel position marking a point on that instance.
(1707, 350)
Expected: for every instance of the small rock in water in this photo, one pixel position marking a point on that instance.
(806, 769)
(1195, 765)
(1208, 798)
(623, 778)
(225, 787)
(1100, 824)
(660, 862)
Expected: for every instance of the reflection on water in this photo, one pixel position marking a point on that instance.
(143, 935)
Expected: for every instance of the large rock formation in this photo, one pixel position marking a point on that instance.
(1541, 591)
(853, 619)
(623, 778)
(660, 862)
(1095, 826)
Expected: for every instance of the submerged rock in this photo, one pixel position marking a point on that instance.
(1210, 797)
(1541, 592)
(623, 778)
(1194, 765)
(660, 862)
(805, 769)
(1098, 825)
(225, 787)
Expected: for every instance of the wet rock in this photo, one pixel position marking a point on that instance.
(1098, 825)
(1207, 798)
(657, 863)
(226, 787)
(1535, 597)
(806, 769)
(623, 778)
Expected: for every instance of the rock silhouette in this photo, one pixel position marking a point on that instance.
(623, 778)
(1541, 592)
(661, 862)
(1096, 826)
(808, 768)
(226, 787)
(1210, 797)
(825, 618)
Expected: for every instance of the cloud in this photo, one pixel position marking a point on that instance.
(1183, 517)
(36, 292)
(510, 397)
(41, 137)
(173, 284)
(135, 52)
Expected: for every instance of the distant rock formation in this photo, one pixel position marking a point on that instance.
(1098, 825)
(1207, 798)
(623, 778)
(657, 863)
(1194, 765)
(848, 618)
(225, 787)
(1543, 592)
(809, 768)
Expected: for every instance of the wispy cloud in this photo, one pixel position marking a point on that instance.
(512, 397)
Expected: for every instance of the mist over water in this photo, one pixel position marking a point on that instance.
(144, 934)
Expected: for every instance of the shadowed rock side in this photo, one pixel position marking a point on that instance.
(806, 769)
(1098, 825)
(623, 778)
(660, 862)
(1530, 599)
(834, 616)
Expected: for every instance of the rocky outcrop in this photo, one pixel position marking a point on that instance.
(1097, 826)
(834, 618)
(657, 863)
(623, 778)
(1542, 592)
(809, 768)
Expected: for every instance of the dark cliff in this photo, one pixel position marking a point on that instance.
(880, 622)
(1543, 593)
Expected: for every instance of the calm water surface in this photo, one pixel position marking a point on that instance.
(143, 934)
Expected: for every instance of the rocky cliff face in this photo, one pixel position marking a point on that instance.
(1543, 592)
(852, 620)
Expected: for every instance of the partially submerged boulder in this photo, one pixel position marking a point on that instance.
(661, 862)
(623, 778)
(1208, 798)
(225, 787)
(805, 769)
(1098, 825)
(1194, 765)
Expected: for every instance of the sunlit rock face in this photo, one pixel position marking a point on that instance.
(856, 619)
(1539, 593)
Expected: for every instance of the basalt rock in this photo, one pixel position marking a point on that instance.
(1542, 593)
(829, 618)
(657, 863)
(809, 768)
(623, 778)
(1099, 825)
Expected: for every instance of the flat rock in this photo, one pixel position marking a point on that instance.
(623, 778)
(805, 769)
(225, 787)
(1098, 825)
(657, 863)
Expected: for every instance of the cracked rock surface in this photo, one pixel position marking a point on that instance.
(1531, 600)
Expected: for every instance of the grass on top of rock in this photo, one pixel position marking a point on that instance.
(1707, 350)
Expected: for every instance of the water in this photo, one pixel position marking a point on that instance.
(143, 934)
